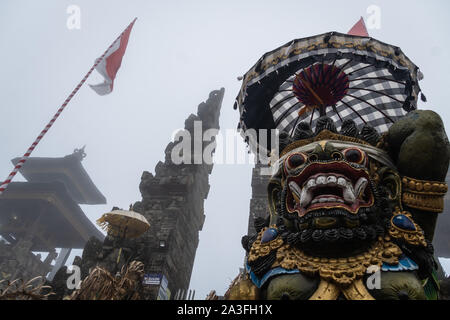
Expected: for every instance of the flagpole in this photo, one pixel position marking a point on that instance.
(27, 154)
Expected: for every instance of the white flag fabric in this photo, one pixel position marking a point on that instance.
(111, 62)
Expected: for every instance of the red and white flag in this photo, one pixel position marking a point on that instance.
(110, 63)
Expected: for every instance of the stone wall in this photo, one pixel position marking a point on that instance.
(172, 202)
(259, 204)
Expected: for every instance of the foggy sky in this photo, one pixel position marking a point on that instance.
(177, 53)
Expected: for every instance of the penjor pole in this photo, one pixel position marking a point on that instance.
(111, 69)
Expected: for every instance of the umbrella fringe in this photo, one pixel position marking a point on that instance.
(102, 223)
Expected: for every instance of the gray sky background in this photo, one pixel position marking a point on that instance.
(177, 53)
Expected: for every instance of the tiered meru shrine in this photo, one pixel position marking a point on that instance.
(43, 214)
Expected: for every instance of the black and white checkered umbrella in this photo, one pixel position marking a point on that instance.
(336, 75)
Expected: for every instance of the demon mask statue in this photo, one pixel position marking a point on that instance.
(352, 214)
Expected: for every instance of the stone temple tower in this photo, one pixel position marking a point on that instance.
(172, 202)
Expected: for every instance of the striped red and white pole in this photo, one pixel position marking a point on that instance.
(27, 154)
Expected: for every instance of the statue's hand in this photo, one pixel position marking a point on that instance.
(419, 146)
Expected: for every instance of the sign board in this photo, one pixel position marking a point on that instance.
(152, 279)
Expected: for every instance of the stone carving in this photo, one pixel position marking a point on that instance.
(341, 204)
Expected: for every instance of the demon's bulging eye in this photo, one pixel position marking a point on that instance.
(295, 160)
(354, 155)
